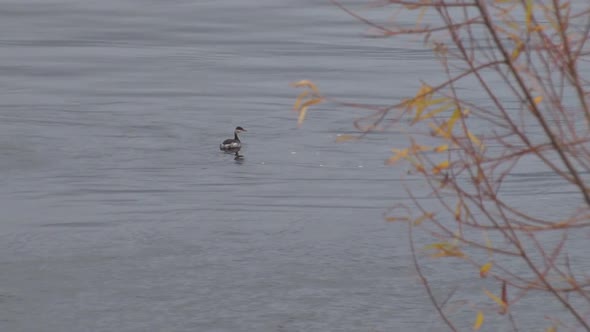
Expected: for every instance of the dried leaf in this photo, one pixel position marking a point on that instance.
(502, 304)
(302, 113)
(516, 52)
(415, 148)
(504, 297)
(458, 210)
(306, 83)
(528, 12)
(421, 15)
(441, 166)
(439, 131)
(391, 219)
(303, 110)
(299, 99)
(441, 148)
(551, 329)
(538, 100)
(420, 101)
(474, 139)
(344, 138)
(483, 271)
(451, 123)
(445, 249)
(421, 219)
(478, 321)
(434, 112)
(420, 168)
(399, 154)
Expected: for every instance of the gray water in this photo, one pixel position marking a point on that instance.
(120, 214)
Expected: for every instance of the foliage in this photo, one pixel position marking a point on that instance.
(536, 50)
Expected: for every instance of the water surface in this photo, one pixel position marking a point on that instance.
(119, 212)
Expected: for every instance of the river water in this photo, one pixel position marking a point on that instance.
(120, 214)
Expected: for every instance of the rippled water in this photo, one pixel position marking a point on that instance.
(119, 212)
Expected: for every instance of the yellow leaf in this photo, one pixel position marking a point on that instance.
(344, 138)
(398, 155)
(441, 166)
(421, 219)
(303, 110)
(551, 329)
(396, 219)
(306, 83)
(549, 17)
(529, 12)
(300, 99)
(421, 15)
(513, 25)
(474, 139)
(420, 168)
(441, 148)
(420, 100)
(483, 271)
(479, 178)
(302, 113)
(444, 249)
(516, 52)
(488, 244)
(439, 131)
(312, 102)
(478, 321)
(412, 6)
(437, 245)
(456, 115)
(448, 253)
(538, 100)
(433, 112)
(496, 299)
(415, 148)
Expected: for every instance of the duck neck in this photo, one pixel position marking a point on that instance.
(236, 136)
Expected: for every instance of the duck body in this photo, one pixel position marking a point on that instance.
(232, 145)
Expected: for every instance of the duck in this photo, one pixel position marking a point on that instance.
(233, 145)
